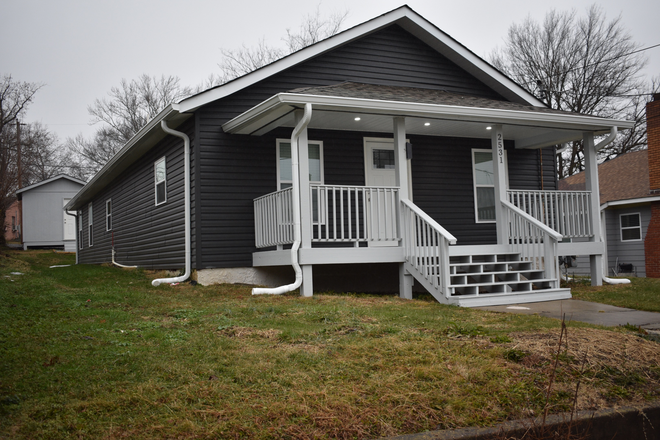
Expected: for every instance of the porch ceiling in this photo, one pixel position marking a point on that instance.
(529, 129)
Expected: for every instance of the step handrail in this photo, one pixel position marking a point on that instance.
(545, 228)
(446, 234)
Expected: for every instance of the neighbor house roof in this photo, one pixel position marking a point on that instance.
(624, 178)
(52, 179)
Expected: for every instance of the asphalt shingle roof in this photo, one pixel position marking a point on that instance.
(622, 178)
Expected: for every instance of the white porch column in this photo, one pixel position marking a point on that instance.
(307, 287)
(400, 160)
(499, 178)
(591, 185)
(401, 171)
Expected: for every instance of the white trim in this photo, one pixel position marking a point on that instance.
(80, 229)
(423, 110)
(158, 182)
(404, 17)
(629, 202)
(621, 228)
(108, 215)
(475, 185)
(90, 224)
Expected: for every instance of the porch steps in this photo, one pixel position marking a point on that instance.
(492, 279)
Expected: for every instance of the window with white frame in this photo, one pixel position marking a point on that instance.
(631, 227)
(80, 230)
(483, 177)
(90, 223)
(160, 178)
(284, 178)
(108, 215)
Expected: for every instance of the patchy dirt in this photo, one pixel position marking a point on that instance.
(611, 368)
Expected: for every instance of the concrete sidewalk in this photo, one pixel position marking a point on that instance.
(584, 311)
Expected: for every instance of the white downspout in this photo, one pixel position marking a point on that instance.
(297, 228)
(602, 144)
(186, 167)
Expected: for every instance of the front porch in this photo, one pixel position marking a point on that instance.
(367, 225)
(313, 223)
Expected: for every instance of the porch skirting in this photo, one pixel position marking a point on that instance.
(368, 278)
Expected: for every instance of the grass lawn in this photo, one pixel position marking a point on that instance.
(97, 352)
(641, 294)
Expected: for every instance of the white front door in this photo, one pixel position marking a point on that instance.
(379, 161)
(69, 224)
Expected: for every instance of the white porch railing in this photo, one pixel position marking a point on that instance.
(426, 246)
(273, 219)
(343, 214)
(535, 241)
(567, 212)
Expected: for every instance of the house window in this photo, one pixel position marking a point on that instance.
(631, 227)
(284, 178)
(108, 215)
(13, 223)
(484, 185)
(80, 230)
(160, 178)
(90, 222)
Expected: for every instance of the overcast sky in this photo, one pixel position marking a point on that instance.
(81, 48)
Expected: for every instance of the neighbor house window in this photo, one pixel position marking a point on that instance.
(13, 223)
(160, 178)
(90, 222)
(80, 230)
(284, 178)
(631, 227)
(108, 215)
(484, 185)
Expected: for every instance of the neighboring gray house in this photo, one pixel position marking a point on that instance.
(386, 155)
(45, 223)
(625, 204)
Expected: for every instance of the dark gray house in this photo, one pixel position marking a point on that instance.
(385, 154)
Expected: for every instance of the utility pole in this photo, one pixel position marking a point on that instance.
(18, 154)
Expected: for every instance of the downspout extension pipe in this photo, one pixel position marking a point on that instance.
(297, 228)
(114, 252)
(602, 144)
(186, 163)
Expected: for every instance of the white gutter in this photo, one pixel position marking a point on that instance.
(605, 142)
(186, 163)
(297, 229)
(120, 265)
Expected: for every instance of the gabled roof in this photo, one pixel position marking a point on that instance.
(410, 21)
(624, 178)
(52, 179)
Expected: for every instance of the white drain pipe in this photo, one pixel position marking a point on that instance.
(297, 229)
(186, 167)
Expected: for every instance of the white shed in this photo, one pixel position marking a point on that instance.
(45, 223)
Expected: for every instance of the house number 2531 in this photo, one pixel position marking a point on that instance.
(500, 147)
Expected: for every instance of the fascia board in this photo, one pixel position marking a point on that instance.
(114, 164)
(629, 202)
(407, 19)
(396, 108)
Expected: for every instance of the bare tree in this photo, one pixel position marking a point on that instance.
(129, 107)
(579, 64)
(15, 96)
(241, 61)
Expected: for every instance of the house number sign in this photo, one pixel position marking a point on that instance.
(500, 147)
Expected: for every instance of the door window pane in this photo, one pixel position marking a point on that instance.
(383, 159)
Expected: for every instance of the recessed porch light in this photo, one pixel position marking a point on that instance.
(357, 118)
(489, 128)
(426, 124)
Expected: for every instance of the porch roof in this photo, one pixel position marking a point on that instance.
(427, 112)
